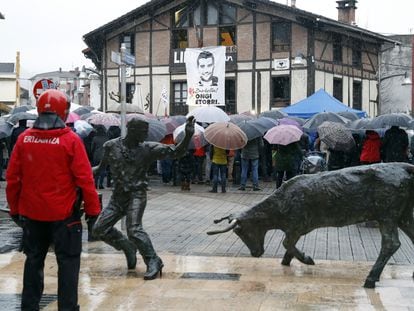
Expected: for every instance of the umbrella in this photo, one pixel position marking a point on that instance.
(170, 124)
(131, 116)
(198, 139)
(83, 110)
(319, 118)
(14, 118)
(391, 119)
(209, 114)
(72, 117)
(336, 136)
(274, 114)
(284, 134)
(156, 130)
(82, 128)
(225, 135)
(297, 119)
(179, 119)
(290, 122)
(5, 128)
(363, 123)
(237, 118)
(105, 119)
(23, 108)
(352, 116)
(266, 122)
(251, 128)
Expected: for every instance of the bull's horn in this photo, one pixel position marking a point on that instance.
(216, 221)
(228, 228)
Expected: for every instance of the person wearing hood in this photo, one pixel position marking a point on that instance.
(371, 148)
(395, 145)
(47, 177)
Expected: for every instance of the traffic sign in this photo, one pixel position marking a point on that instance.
(41, 86)
(129, 59)
(115, 57)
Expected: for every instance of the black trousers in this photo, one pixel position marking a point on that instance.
(66, 236)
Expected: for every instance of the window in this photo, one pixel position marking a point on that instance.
(356, 55)
(230, 96)
(337, 89)
(130, 90)
(212, 14)
(178, 105)
(227, 14)
(357, 95)
(337, 48)
(280, 37)
(180, 39)
(280, 91)
(129, 41)
(227, 35)
(181, 18)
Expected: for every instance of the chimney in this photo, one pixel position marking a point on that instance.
(346, 11)
(293, 3)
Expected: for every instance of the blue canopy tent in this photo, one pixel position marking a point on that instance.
(320, 101)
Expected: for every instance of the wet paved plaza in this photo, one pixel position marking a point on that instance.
(216, 272)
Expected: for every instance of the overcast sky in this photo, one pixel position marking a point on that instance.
(48, 33)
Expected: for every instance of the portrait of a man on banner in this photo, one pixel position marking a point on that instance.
(205, 76)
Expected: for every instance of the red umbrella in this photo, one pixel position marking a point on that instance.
(225, 135)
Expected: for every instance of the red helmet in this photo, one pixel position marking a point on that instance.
(54, 101)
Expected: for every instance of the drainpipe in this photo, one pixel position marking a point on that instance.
(412, 75)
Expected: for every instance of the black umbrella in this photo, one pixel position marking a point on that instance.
(363, 123)
(5, 128)
(391, 119)
(23, 108)
(251, 129)
(237, 118)
(349, 115)
(274, 114)
(179, 119)
(156, 130)
(83, 110)
(14, 118)
(266, 122)
(336, 136)
(319, 118)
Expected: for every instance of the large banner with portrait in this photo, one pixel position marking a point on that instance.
(206, 69)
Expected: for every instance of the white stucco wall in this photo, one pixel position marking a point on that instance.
(298, 85)
(244, 92)
(7, 90)
(265, 91)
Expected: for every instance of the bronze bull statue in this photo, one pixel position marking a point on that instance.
(378, 192)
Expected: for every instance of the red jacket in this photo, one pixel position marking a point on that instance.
(44, 170)
(371, 148)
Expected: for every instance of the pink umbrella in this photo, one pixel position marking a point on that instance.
(72, 117)
(283, 134)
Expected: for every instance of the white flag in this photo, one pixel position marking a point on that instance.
(164, 97)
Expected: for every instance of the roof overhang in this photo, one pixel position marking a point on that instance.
(95, 40)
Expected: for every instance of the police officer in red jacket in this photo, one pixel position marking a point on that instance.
(47, 168)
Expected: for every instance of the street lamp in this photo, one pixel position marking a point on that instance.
(406, 81)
